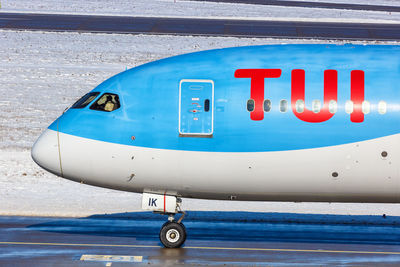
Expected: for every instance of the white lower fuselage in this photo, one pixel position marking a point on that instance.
(365, 171)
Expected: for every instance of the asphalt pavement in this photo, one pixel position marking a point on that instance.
(200, 27)
(214, 238)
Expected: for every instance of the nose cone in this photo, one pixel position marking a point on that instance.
(45, 152)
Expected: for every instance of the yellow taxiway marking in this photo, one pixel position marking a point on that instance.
(209, 248)
(301, 250)
(75, 244)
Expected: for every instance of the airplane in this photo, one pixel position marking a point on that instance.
(296, 122)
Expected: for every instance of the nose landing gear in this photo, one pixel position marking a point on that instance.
(172, 233)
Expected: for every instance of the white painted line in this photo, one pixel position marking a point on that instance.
(111, 258)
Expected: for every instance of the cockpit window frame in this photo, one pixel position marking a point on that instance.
(114, 101)
(83, 101)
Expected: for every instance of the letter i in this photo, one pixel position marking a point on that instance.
(357, 95)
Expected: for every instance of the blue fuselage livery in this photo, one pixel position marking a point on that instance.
(150, 113)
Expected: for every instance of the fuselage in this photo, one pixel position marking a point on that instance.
(279, 122)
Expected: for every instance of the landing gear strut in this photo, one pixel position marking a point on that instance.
(173, 233)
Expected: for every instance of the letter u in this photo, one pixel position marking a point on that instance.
(298, 93)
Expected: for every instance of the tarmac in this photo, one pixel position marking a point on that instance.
(214, 238)
(200, 27)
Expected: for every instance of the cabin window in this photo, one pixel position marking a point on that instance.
(283, 105)
(316, 106)
(267, 105)
(332, 106)
(348, 107)
(366, 107)
(250, 105)
(85, 100)
(382, 107)
(107, 102)
(300, 106)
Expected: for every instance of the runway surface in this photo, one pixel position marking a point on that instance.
(214, 238)
(200, 27)
(287, 3)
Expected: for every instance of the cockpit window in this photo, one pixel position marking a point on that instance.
(107, 102)
(85, 100)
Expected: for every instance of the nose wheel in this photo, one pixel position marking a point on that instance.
(173, 234)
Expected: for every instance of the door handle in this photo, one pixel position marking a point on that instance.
(207, 105)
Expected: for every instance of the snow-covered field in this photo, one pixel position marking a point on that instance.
(42, 73)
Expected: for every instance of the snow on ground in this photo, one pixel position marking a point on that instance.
(171, 8)
(43, 73)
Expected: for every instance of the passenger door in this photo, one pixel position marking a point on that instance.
(196, 108)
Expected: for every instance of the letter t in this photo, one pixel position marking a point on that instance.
(257, 77)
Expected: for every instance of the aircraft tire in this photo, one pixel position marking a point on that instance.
(173, 234)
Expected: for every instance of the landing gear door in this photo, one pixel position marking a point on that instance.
(196, 108)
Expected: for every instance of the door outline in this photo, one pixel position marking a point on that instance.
(212, 108)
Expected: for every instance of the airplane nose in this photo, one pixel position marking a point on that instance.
(45, 152)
